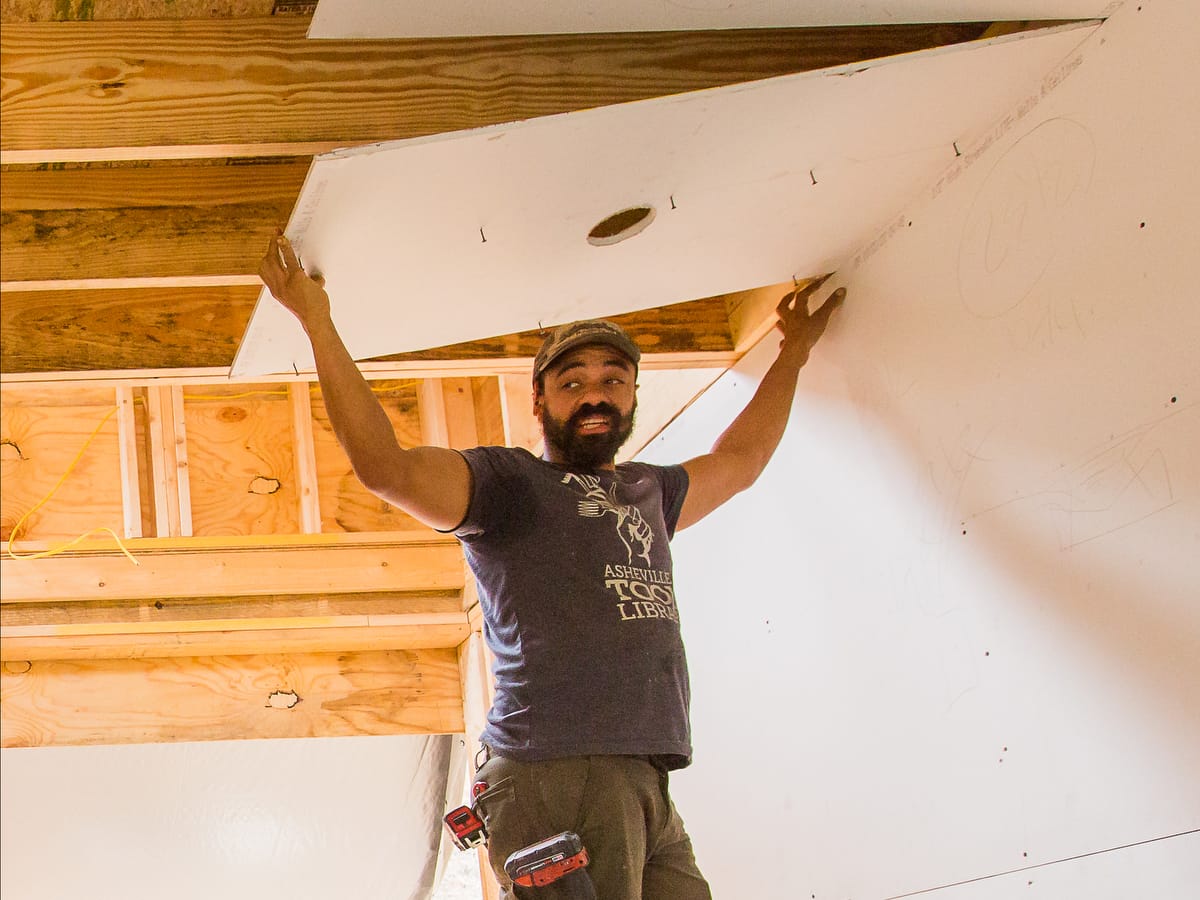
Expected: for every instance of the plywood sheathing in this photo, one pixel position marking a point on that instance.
(231, 697)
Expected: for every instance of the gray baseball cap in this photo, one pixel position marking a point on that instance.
(576, 334)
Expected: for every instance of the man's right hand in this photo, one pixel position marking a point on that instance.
(303, 294)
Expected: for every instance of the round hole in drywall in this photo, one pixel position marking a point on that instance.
(621, 225)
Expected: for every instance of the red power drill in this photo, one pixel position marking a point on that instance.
(560, 859)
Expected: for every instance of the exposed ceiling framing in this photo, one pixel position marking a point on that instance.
(149, 154)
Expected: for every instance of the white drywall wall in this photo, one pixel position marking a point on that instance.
(784, 175)
(412, 18)
(243, 820)
(955, 629)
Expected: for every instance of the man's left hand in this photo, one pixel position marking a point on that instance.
(801, 328)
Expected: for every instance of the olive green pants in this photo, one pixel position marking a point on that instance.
(618, 805)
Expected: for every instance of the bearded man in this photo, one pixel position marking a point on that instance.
(571, 552)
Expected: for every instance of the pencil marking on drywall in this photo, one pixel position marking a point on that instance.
(1024, 209)
(1113, 486)
(949, 477)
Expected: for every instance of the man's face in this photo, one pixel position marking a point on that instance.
(586, 406)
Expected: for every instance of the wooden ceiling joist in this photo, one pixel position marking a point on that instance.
(237, 84)
(143, 222)
(182, 328)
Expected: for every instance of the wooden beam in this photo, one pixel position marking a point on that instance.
(214, 184)
(752, 313)
(167, 282)
(305, 457)
(372, 371)
(176, 437)
(57, 703)
(150, 221)
(459, 402)
(231, 626)
(168, 460)
(131, 495)
(98, 85)
(431, 403)
(521, 427)
(234, 625)
(197, 567)
(189, 613)
(149, 329)
(477, 689)
(83, 10)
(77, 155)
(489, 421)
(418, 633)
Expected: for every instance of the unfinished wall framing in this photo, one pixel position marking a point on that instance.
(244, 600)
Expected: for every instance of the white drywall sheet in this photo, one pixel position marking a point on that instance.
(413, 18)
(954, 631)
(438, 240)
(243, 820)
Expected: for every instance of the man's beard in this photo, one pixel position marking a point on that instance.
(588, 451)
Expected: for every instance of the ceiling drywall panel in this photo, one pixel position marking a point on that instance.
(409, 18)
(433, 241)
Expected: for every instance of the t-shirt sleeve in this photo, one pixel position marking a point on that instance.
(674, 481)
(495, 488)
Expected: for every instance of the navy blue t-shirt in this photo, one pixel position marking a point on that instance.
(575, 581)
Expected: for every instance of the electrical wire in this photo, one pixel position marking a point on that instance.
(54, 551)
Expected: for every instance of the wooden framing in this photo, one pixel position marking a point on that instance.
(210, 568)
(521, 428)
(241, 108)
(372, 371)
(197, 329)
(305, 458)
(168, 453)
(236, 602)
(225, 697)
(198, 621)
(131, 498)
(477, 690)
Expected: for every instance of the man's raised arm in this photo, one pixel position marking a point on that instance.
(432, 484)
(744, 449)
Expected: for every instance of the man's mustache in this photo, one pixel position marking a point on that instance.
(597, 409)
